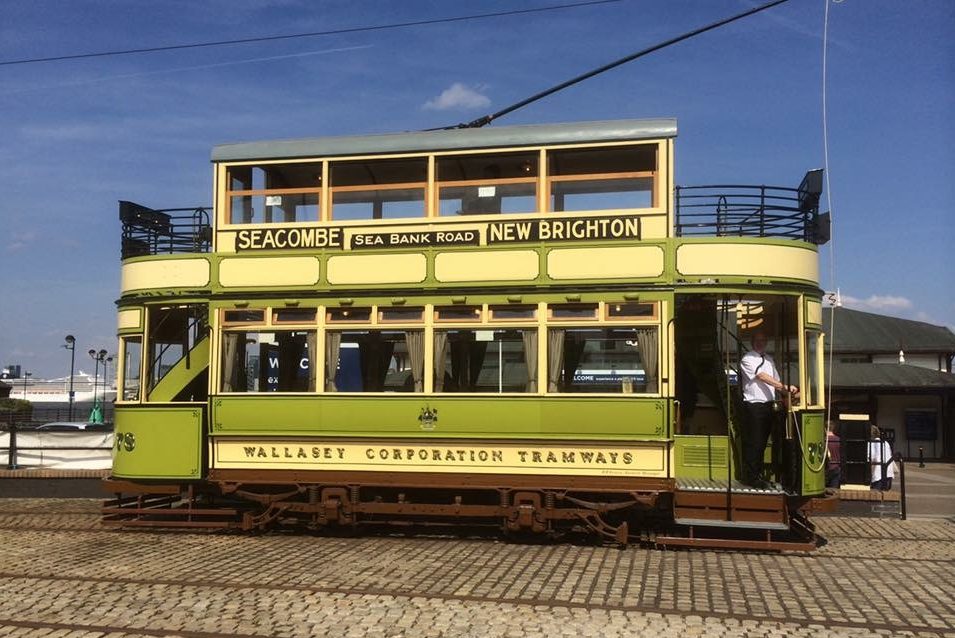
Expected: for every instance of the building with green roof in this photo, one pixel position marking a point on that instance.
(896, 373)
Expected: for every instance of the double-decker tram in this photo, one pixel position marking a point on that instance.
(527, 327)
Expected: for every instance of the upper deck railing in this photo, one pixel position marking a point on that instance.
(163, 232)
(733, 210)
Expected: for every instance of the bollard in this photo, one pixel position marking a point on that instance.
(12, 449)
(921, 456)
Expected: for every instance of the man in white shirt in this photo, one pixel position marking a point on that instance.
(760, 381)
(880, 455)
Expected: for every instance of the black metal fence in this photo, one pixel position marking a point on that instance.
(157, 232)
(734, 210)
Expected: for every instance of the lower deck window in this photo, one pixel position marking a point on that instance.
(268, 361)
(620, 360)
(132, 363)
(374, 361)
(485, 360)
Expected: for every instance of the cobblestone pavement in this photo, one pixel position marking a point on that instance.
(63, 575)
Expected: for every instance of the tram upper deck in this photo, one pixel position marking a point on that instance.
(519, 206)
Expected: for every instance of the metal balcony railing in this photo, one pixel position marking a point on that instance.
(733, 210)
(163, 232)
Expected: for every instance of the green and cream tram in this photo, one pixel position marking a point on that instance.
(528, 327)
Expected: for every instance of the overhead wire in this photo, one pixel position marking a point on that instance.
(312, 34)
(487, 119)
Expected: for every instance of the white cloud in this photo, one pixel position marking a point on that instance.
(459, 96)
(877, 302)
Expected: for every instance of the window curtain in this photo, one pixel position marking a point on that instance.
(311, 343)
(230, 350)
(414, 340)
(440, 356)
(530, 358)
(573, 351)
(333, 342)
(555, 359)
(647, 341)
(375, 355)
(476, 352)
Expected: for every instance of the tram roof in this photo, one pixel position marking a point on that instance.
(450, 140)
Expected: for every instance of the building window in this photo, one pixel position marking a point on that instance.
(259, 361)
(374, 361)
(619, 177)
(379, 189)
(472, 360)
(487, 184)
(616, 360)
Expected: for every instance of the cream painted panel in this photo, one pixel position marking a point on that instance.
(487, 265)
(377, 269)
(605, 263)
(653, 227)
(165, 273)
(814, 313)
(747, 260)
(269, 271)
(129, 318)
(225, 242)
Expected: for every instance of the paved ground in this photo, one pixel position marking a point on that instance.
(63, 575)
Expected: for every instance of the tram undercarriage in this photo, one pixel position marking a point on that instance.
(655, 513)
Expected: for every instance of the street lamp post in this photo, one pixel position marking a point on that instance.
(71, 346)
(26, 375)
(96, 414)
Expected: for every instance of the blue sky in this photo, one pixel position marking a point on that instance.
(79, 135)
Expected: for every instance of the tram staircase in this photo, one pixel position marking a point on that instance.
(186, 370)
(729, 502)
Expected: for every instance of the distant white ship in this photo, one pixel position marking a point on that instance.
(58, 390)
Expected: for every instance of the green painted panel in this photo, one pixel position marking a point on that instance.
(813, 453)
(700, 456)
(160, 442)
(182, 374)
(564, 417)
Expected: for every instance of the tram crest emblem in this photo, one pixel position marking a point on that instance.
(428, 418)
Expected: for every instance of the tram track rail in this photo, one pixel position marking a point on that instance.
(922, 629)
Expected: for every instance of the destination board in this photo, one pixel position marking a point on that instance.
(450, 234)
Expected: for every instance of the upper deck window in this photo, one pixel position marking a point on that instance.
(618, 177)
(379, 189)
(487, 184)
(274, 193)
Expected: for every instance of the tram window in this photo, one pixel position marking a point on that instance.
(457, 313)
(294, 315)
(131, 362)
(395, 315)
(617, 360)
(274, 176)
(243, 316)
(380, 189)
(487, 184)
(277, 361)
(348, 315)
(813, 392)
(513, 313)
(631, 310)
(485, 361)
(601, 179)
(374, 361)
(273, 209)
(173, 332)
(575, 312)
